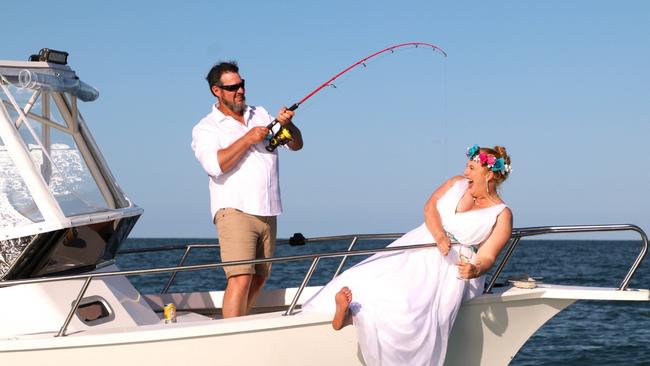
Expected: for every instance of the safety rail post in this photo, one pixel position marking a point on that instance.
(502, 265)
(181, 262)
(345, 258)
(638, 260)
(75, 306)
(173, 275)
(305, 280)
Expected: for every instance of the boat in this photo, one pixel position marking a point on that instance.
(63, 299)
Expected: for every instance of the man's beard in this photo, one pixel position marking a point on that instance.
(234, 106)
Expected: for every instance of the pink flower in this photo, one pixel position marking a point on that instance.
(491, 159)
(483, 157)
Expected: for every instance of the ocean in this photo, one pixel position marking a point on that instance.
(586, 333)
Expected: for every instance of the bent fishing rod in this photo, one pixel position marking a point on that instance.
(283, 135)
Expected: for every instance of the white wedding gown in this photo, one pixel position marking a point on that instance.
(404, 303)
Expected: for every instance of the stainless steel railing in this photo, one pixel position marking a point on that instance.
(517, 234)
(188, 248)
(89, 277)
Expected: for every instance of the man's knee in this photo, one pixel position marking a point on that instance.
(258, 280)
(240, 281)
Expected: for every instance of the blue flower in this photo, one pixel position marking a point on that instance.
(499, 165)
(472, 151)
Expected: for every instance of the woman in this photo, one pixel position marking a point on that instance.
(404, 303)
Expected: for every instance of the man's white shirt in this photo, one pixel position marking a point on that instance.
(252, 185)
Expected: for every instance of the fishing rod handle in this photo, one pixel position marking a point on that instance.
(292, 108)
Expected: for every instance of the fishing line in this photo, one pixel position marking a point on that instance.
(283, 135)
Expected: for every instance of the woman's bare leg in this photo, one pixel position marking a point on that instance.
(343, 298)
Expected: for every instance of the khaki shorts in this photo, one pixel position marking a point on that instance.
(244, 237)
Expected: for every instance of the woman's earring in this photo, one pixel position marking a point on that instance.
(487, 185)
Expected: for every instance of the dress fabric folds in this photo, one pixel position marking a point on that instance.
(405, 302)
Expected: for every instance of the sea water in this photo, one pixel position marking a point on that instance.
(586, 333)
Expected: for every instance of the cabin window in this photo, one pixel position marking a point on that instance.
(71, 183)
(17, 207)
(94, 310)
(57, 149)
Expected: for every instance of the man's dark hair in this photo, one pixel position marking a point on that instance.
(214, 76)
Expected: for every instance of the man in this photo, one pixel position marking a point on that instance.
(244, 188)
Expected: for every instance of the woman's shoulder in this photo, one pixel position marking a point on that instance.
(455, 179)
(451, 182)
(505, 213)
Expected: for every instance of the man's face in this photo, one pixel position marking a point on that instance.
(231, 92)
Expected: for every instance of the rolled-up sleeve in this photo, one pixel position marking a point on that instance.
(205, 143)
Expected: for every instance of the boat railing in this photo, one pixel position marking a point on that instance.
(517, 235)
(88, 277)
(188, 248)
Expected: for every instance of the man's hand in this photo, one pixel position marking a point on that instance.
(256, 134)
(284, 116)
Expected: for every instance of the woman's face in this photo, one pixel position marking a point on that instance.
(476, 174)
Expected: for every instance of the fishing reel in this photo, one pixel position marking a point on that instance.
(282, 137)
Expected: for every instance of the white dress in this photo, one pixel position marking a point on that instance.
(404, 303)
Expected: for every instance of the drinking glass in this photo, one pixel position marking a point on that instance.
(465, 254)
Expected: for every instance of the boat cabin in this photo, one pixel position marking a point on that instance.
(61, 210)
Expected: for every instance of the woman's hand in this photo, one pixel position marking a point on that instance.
(443, 243)
(467, 270)
(432, 217)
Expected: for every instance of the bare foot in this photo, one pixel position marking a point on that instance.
(343, 298)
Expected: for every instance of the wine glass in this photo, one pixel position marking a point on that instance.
(465, 254)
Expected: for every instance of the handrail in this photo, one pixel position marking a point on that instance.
(188, 248)
(197, 267)
(88, 277)
(181, 262)
(279, 241)
(340, 267)
(75, 306)
(517, 234)
(304, 283)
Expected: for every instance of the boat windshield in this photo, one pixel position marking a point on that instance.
(47, 124)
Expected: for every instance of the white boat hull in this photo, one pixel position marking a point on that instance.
(207, 344)
(489, 331)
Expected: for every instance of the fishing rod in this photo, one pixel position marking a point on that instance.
(283, 135)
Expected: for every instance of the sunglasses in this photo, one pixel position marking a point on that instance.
(233, 87)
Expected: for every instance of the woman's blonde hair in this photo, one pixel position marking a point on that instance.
(498, 152)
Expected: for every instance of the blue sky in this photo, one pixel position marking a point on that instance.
(563, 85)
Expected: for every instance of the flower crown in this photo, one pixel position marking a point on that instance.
(497, 165)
